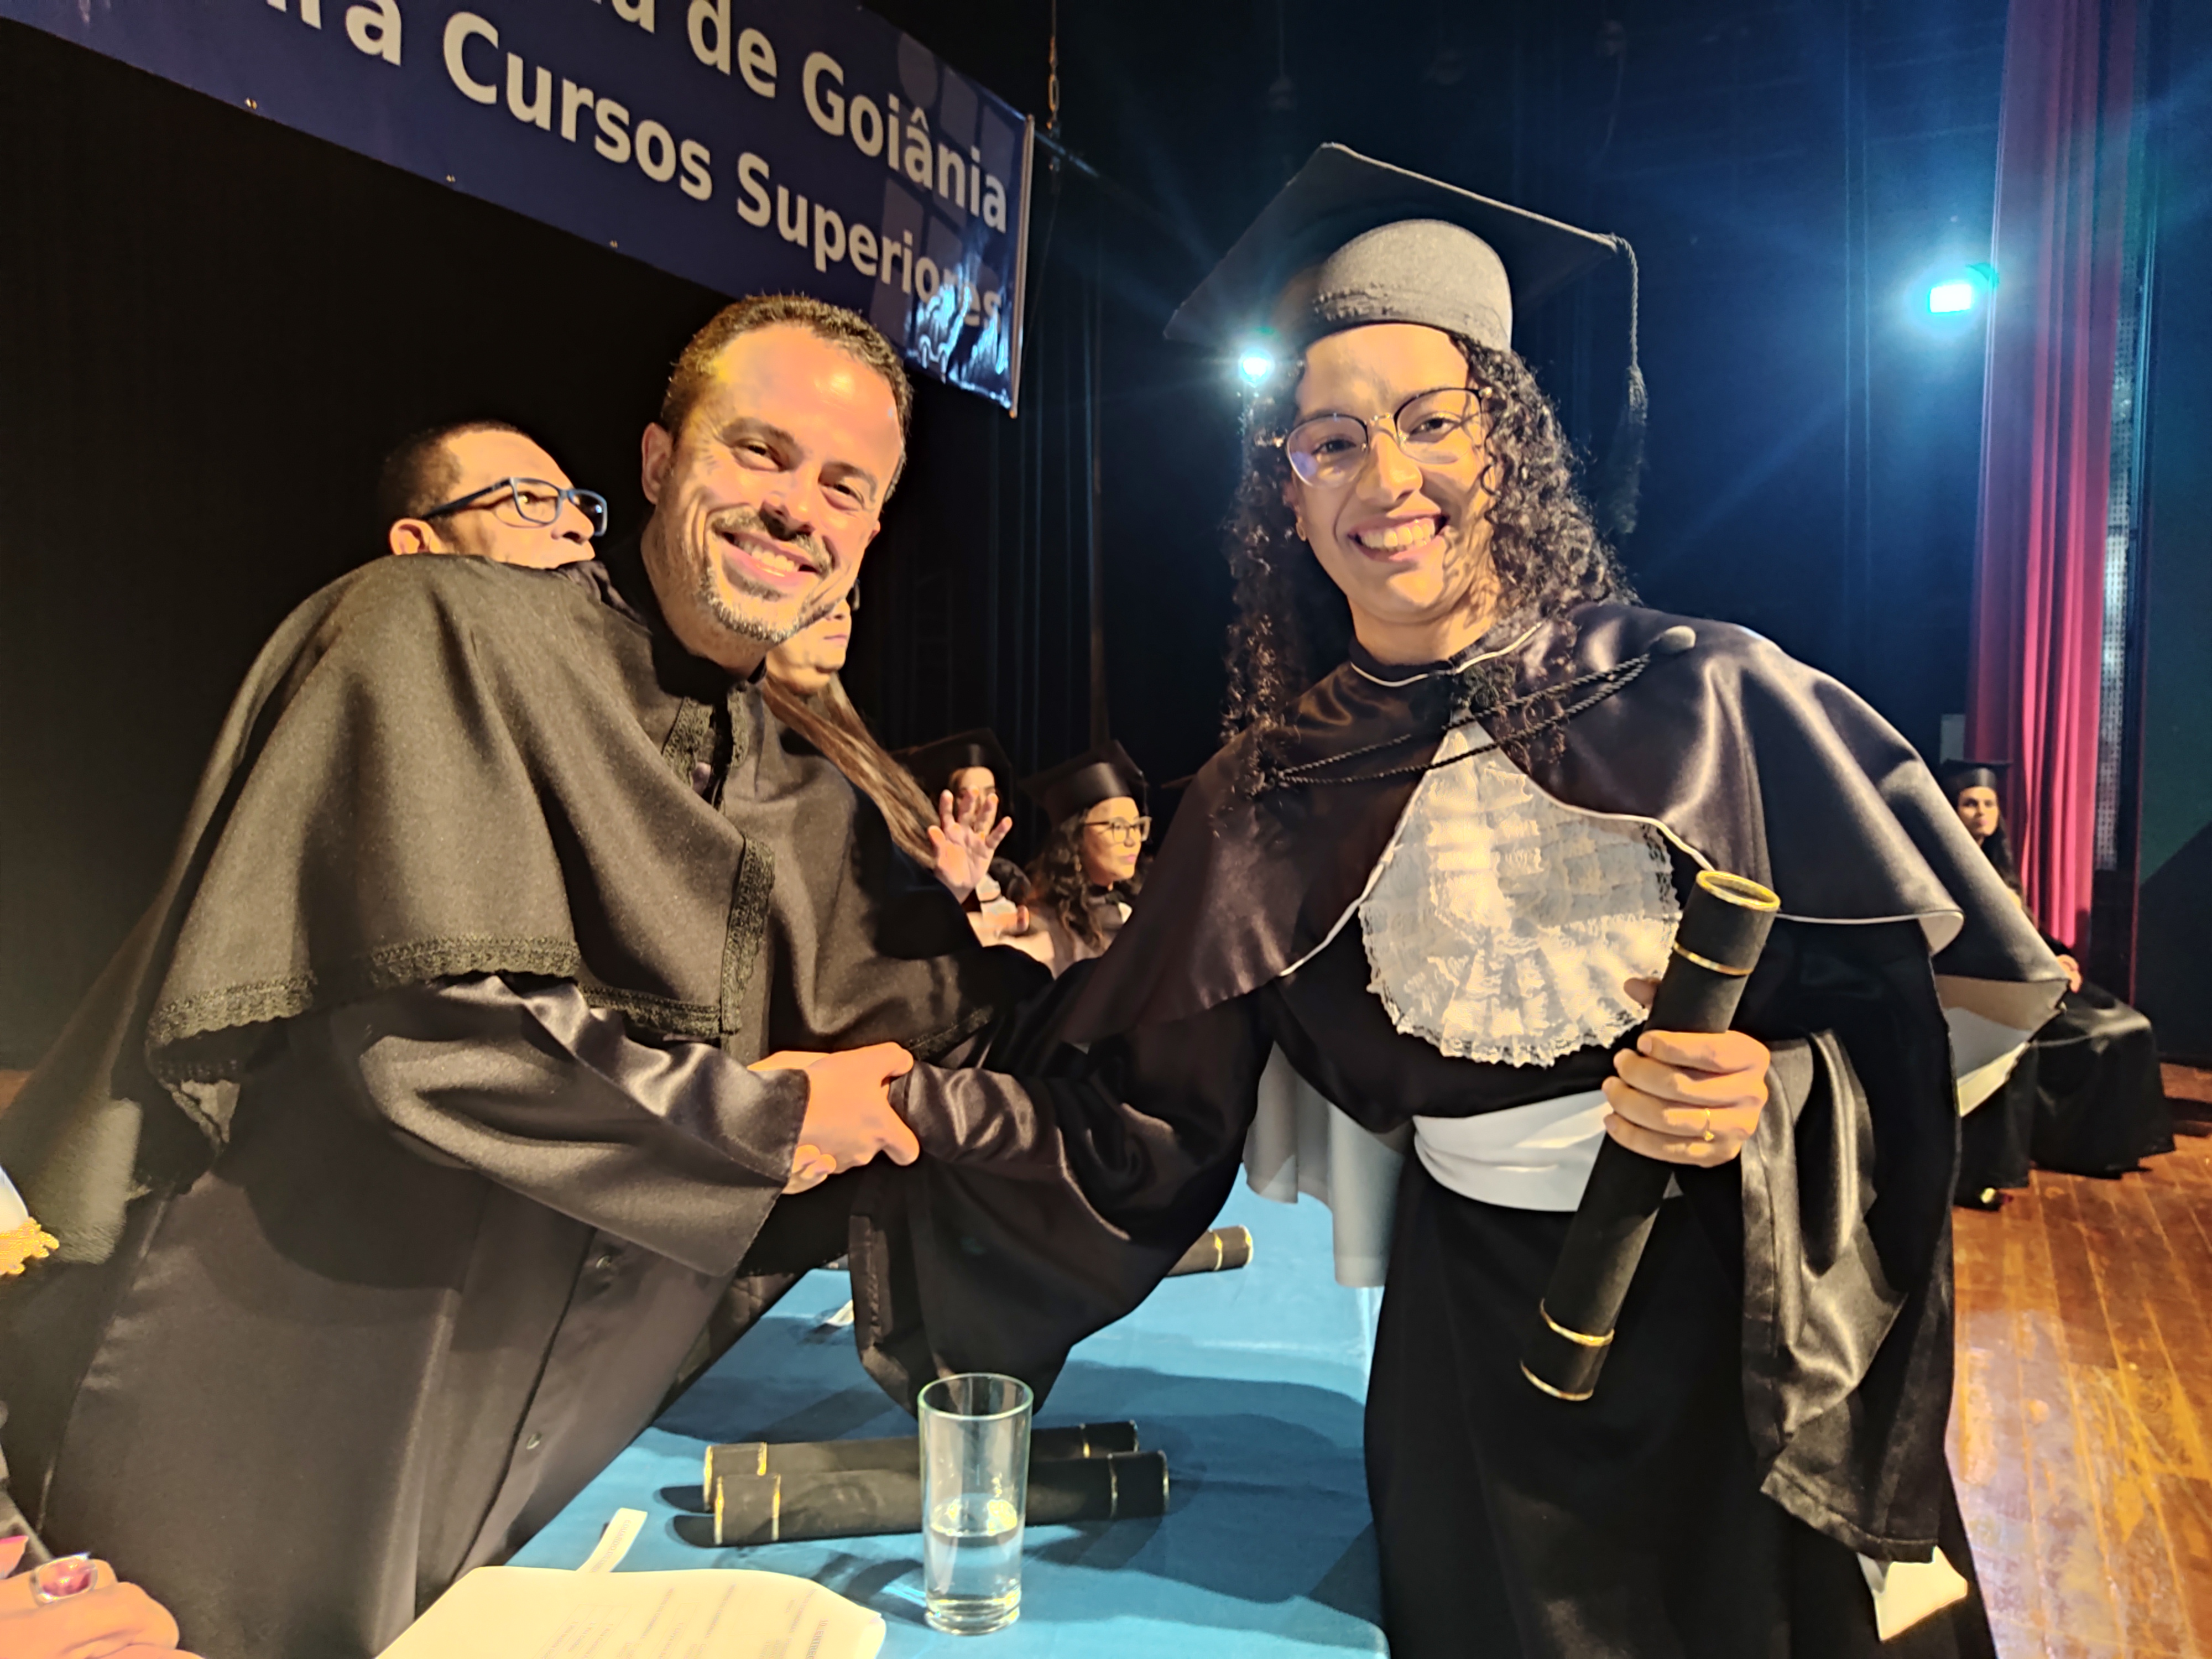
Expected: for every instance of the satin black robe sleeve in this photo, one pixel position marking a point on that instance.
(673, 1146)
(1055, 1190)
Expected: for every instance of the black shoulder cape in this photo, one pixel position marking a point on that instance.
(445, 766)
(1747, 760)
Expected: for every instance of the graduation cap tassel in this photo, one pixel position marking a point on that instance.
(1619, 478)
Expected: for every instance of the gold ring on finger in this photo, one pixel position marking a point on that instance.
(1709, 1123)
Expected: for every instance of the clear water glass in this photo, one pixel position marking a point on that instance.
(975, 1486)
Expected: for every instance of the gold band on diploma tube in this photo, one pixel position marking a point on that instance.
(1707, 961)
(1581, 1339)
(1739, 889)
(1741, 892)
(1556, 1394)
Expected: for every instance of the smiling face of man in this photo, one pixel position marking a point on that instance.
(769, 494)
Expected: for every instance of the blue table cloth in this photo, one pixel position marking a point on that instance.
(1251, 1382)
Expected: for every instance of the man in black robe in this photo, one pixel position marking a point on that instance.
(404, 1156)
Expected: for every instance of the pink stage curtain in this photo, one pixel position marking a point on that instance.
(2046, 436)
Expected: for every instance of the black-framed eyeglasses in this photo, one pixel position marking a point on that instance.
(1123, 830)
(534, 501)
(1434, 428)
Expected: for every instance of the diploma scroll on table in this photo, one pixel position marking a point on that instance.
(809, 1457)
(1723, 929)
(859, 1502)
(1217, 1251)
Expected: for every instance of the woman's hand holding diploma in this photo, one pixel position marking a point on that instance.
(1687, 1097)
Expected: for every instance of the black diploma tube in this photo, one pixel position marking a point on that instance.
(1217, 1251)
(796, 1458)
(1723, 928)
(769, 1509)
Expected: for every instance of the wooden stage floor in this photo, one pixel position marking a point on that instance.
(2081, 1431)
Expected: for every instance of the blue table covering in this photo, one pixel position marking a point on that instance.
(1251, 1382)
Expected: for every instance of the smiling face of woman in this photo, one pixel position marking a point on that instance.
(1110, 854)
(1407, 544)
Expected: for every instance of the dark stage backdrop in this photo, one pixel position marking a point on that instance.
(211, 328)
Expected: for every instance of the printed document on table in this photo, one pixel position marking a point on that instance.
(544, 1613)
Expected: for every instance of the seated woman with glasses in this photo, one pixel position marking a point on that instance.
(1082, 881)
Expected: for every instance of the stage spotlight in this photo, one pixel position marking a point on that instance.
(1256, 363)
(1957, 291)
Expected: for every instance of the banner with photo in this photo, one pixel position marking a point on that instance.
(803, 145)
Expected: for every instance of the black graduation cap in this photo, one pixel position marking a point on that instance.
(1960, 776)
(1077, 785)
(934, 763)
(1338, 199)
(1351, 240)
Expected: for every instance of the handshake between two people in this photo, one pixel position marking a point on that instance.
(849, 1118)
(1683, 1097)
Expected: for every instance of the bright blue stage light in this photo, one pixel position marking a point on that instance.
(1256, 363)
(1955, 291)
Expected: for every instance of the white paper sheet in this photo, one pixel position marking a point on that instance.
(542, 1612)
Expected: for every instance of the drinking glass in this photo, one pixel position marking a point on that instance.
(975, 1484)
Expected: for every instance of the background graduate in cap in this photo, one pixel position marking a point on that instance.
(2085, 1096)
(969, 766)
(1468, 783)
(1083, 879)
(960, 776)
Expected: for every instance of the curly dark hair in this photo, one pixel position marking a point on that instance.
(1058, 883)
(1293, 625)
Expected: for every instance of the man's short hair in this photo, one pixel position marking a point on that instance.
(421, 473)
(846, 330)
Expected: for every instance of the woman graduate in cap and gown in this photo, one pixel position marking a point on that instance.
(2086, 1097)
(1468, 783)
(1082, 884)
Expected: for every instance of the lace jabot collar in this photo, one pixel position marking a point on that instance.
(1503, 927)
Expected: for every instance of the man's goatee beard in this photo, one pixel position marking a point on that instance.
(753, 628)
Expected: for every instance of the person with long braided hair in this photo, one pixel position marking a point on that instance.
(1428, 879)
(803, 690)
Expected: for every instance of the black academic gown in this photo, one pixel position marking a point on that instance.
(2085, 1098)
(1775, 1403)
(404, 1158)
(2099, 1099)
